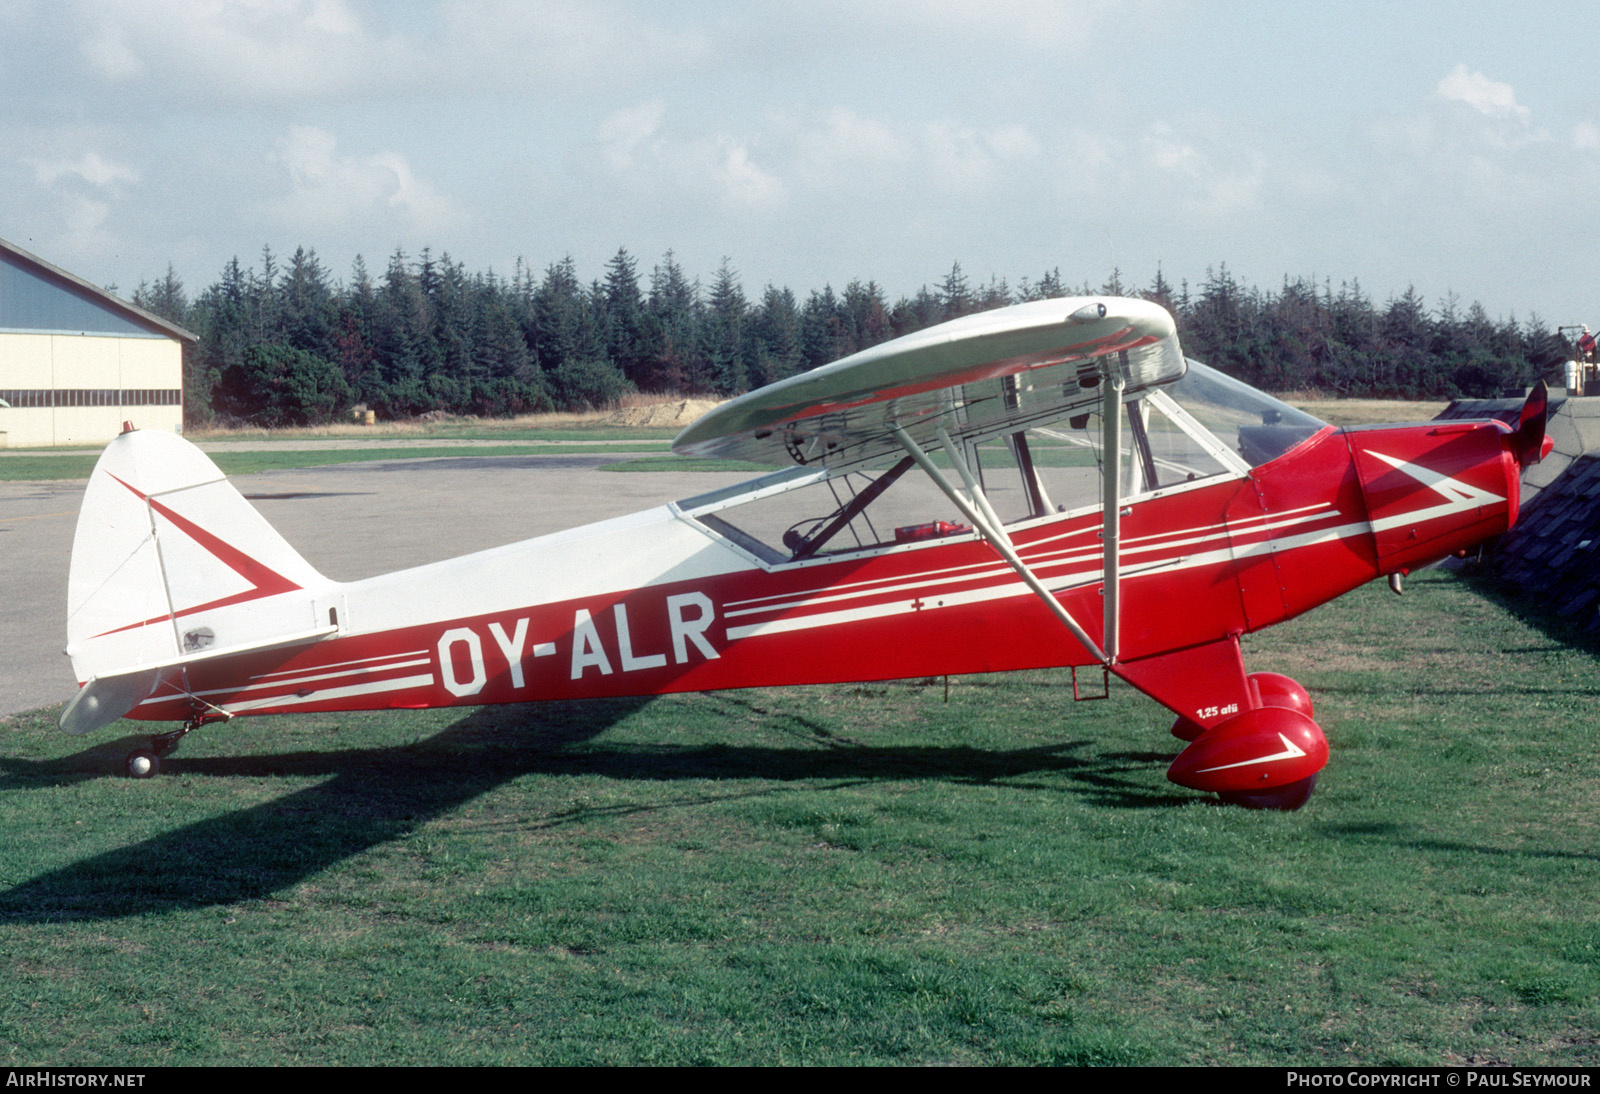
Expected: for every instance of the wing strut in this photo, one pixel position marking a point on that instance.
(1112, 386)
(990, 529)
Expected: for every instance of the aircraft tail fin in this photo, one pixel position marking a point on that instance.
(170, 564)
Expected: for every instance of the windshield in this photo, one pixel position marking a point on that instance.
(1253, 424)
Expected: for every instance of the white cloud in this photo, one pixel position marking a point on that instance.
(539, 43)
(110, 56)
(1164, 151)
(624, 133)
(1012, 142)
(838, 154)
(1586, 137)
(1504, 121)
(1486, 96)
(636, 148)
(963, 158)
(329, 190)
(85, 223)
(91, 167)
(843, 150)
(1473, 146)
(251, 49)
(743, 180)
(1031, 26)
(320, 50)
(1226, 181)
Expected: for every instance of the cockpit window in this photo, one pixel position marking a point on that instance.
(789, 518)
(1203, 425)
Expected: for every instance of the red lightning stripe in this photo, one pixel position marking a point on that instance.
(264, 580)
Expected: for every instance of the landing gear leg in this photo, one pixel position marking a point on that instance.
(145, 763)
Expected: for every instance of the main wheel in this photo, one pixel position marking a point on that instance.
(1288, 798)
(142, 763)
(1277, 690)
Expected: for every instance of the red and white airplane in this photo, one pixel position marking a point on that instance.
(1048, 484)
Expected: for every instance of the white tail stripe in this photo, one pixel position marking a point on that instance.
(402, 683)
(247, 688)
(344, 664)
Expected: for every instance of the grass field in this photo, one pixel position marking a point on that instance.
(853, 874)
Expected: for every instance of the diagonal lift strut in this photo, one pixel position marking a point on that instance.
(982, 516)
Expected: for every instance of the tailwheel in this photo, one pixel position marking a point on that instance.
(1286, 798)
(142, 763)
(145, 763)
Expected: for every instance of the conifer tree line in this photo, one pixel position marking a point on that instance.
(284, 343)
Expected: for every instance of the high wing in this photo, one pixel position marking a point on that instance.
(960, 382)
(983, 375)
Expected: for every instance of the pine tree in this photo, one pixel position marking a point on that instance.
(564, 324)
(307, 315)
(775, 331)
(165, 298)
(996, 294)
(865, 316)
(954, 297)
(625, 316)
(726, 344)
(823, 336)
(403, 343)
(1160, 292)
(677, 361)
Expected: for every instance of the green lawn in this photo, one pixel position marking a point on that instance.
(852, 874)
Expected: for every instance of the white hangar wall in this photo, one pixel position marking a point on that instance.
(67, 389)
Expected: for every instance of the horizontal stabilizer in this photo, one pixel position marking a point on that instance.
(105, 699)
(102, 701)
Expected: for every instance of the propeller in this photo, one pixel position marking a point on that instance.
(1531, 443)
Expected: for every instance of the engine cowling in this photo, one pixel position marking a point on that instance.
(1255, 750)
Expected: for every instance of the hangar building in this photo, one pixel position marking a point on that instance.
(75, 361)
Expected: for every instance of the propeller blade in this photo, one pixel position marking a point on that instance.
(1530, 426)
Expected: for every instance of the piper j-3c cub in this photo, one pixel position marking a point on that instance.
(1049, 484)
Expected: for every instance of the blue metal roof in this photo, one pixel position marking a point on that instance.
(40, 298)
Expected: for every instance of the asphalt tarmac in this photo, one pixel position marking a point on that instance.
(350, 521)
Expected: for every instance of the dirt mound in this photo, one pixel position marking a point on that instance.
(678, 413)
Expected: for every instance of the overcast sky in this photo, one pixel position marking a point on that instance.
(1450, 146)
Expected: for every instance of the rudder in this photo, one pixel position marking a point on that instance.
(170, 564)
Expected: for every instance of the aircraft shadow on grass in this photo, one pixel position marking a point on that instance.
(1387, 832)
(373, 796)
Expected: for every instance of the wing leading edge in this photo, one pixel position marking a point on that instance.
(974, 377)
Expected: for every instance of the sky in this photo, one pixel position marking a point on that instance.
(1453, 148)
